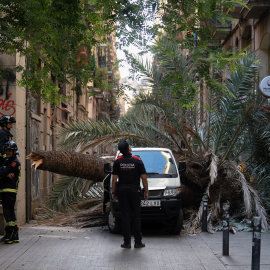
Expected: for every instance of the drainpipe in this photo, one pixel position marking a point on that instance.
(253, 34)
(28, 164)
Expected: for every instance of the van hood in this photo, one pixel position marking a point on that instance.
(162, 183)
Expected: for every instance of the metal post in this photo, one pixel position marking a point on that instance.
(204, 214)
(225, 223)
(256, 243)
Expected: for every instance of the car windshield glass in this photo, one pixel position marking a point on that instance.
(159, 162)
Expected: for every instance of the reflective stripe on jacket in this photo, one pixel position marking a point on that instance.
(10, 166)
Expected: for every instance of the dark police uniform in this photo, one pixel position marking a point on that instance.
(128, 168)
(9, 190)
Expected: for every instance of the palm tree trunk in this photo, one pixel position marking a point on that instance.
(70, 164)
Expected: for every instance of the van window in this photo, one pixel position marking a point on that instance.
(157, 162)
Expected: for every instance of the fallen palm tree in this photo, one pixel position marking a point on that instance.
(206, 174)
(69, 163)
(230, 133)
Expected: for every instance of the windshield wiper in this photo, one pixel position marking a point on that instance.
(152, 173)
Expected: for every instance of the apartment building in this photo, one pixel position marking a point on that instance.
(38, 123)
(251, 29)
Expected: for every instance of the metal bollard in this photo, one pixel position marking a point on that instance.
(225, 223)
(204, 214)
(256, 243)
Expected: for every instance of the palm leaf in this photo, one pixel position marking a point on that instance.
(69, 190)
(65, 192)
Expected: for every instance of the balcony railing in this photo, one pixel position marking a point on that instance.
(236, 12)
(255, 9)
(221, 31)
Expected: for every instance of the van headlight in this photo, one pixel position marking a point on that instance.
(172, 192)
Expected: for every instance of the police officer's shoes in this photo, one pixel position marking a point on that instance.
(139, 245)
(125, 245)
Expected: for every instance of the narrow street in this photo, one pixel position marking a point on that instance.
(56, 248)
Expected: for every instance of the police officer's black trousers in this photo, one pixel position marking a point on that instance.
(8, 203)
(130, 206)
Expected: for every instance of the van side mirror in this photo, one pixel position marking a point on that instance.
(107, 168)
(182, 166)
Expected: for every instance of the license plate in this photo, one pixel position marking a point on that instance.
(150, 203)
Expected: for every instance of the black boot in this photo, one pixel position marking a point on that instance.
(15, 235)
(126, 245)
(7, 237)
(139, 245)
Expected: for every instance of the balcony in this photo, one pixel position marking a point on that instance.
(236, 13)
(99, 96)
(220, 31)
(255, 9)
(97, 90)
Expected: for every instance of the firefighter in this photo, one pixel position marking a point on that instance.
(9, 177)
(6, 123)
(129, 169)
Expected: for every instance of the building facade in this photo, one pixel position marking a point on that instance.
(38, 123)
(251, 30)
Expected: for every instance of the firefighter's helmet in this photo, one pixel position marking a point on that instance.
(7, 119)
(11, 145)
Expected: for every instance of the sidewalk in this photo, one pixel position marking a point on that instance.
(66, 248)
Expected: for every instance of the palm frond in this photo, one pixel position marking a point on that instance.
(251, 198)
(69, 190)
(74, 135)
(65, 192)
(228, 116)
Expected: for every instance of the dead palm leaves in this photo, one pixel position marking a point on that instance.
(221, 181)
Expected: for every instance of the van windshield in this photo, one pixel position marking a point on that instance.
(157, 162)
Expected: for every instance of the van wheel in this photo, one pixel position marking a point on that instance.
(114, 223)
(177, 224)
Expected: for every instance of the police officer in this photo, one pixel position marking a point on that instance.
(9, 177)
(129, 169)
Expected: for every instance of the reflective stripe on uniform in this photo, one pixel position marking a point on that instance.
(9, 190)
(12, 223)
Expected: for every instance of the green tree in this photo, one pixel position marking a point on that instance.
(187, 29)
(50, 32)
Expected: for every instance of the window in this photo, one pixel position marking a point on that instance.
(158, 162)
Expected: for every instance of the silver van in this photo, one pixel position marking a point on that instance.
(164, 186)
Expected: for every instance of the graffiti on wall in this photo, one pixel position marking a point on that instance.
(7, 105)
(7, 81)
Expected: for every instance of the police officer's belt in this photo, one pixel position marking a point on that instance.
(128, 185)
